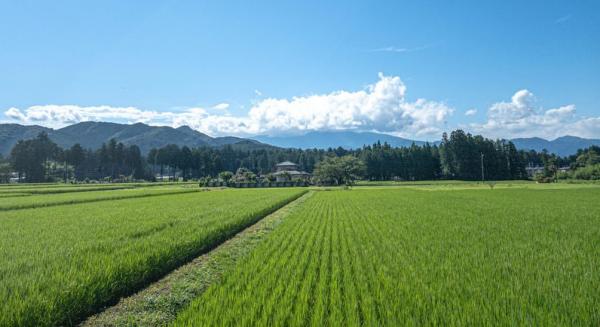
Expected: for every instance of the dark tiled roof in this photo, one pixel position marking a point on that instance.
(290, 172)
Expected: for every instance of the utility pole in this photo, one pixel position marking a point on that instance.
(482, 173)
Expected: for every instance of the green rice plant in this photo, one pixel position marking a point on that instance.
(52, 199)
(63, 189)
(63, 263)
(399, 257)
(68, 188)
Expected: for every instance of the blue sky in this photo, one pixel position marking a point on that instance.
(245, 68)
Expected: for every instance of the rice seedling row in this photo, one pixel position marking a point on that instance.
(54, 190)
(67, 188)
(46, 200)
(63, 263)
(408, 257)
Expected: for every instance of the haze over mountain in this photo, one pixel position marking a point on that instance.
(563, 146)
(93, 134)
(345, 139)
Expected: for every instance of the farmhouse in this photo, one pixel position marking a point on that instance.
(287, 171)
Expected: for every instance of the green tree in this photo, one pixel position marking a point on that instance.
(225, 176)
(32, 157)
(339, 170)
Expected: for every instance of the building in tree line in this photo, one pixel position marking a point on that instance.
(287, 170)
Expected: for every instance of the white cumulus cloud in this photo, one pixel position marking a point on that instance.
(381, 107)
(522, 117)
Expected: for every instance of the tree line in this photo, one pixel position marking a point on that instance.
(459, 155)
(41, 160)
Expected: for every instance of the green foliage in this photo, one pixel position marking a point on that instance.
(339, 170)
(31, 157)
(244, 175)
(588, 157)
(4, 172)
(591, 172)
(62, 263)
(461, 158)
(396, 257)
(225, 176)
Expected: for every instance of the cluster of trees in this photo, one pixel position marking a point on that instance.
(207, 161)
(5, 170)
(40, 160)
(32, 158)
(585, 164)
(459, 156)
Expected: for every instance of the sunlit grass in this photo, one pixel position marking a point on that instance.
(62, 263)
(395, 257)
(19, 200)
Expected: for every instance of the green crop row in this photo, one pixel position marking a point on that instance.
(62, 263)
(46, 200)
(401, 257)
(67, 188)
(63, 189)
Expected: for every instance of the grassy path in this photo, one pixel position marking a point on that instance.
(158, 304)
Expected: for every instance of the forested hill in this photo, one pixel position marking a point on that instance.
(92, 134)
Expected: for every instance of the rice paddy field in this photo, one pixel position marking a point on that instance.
(412, 257)
(59, 264)
(380, 254)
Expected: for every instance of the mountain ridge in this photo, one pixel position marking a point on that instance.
(92, 134)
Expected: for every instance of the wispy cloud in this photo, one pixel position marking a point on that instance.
(221, 106)
(471, 112)
(400, 50)
(563, 19)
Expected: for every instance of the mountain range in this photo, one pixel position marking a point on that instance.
(93, 134)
